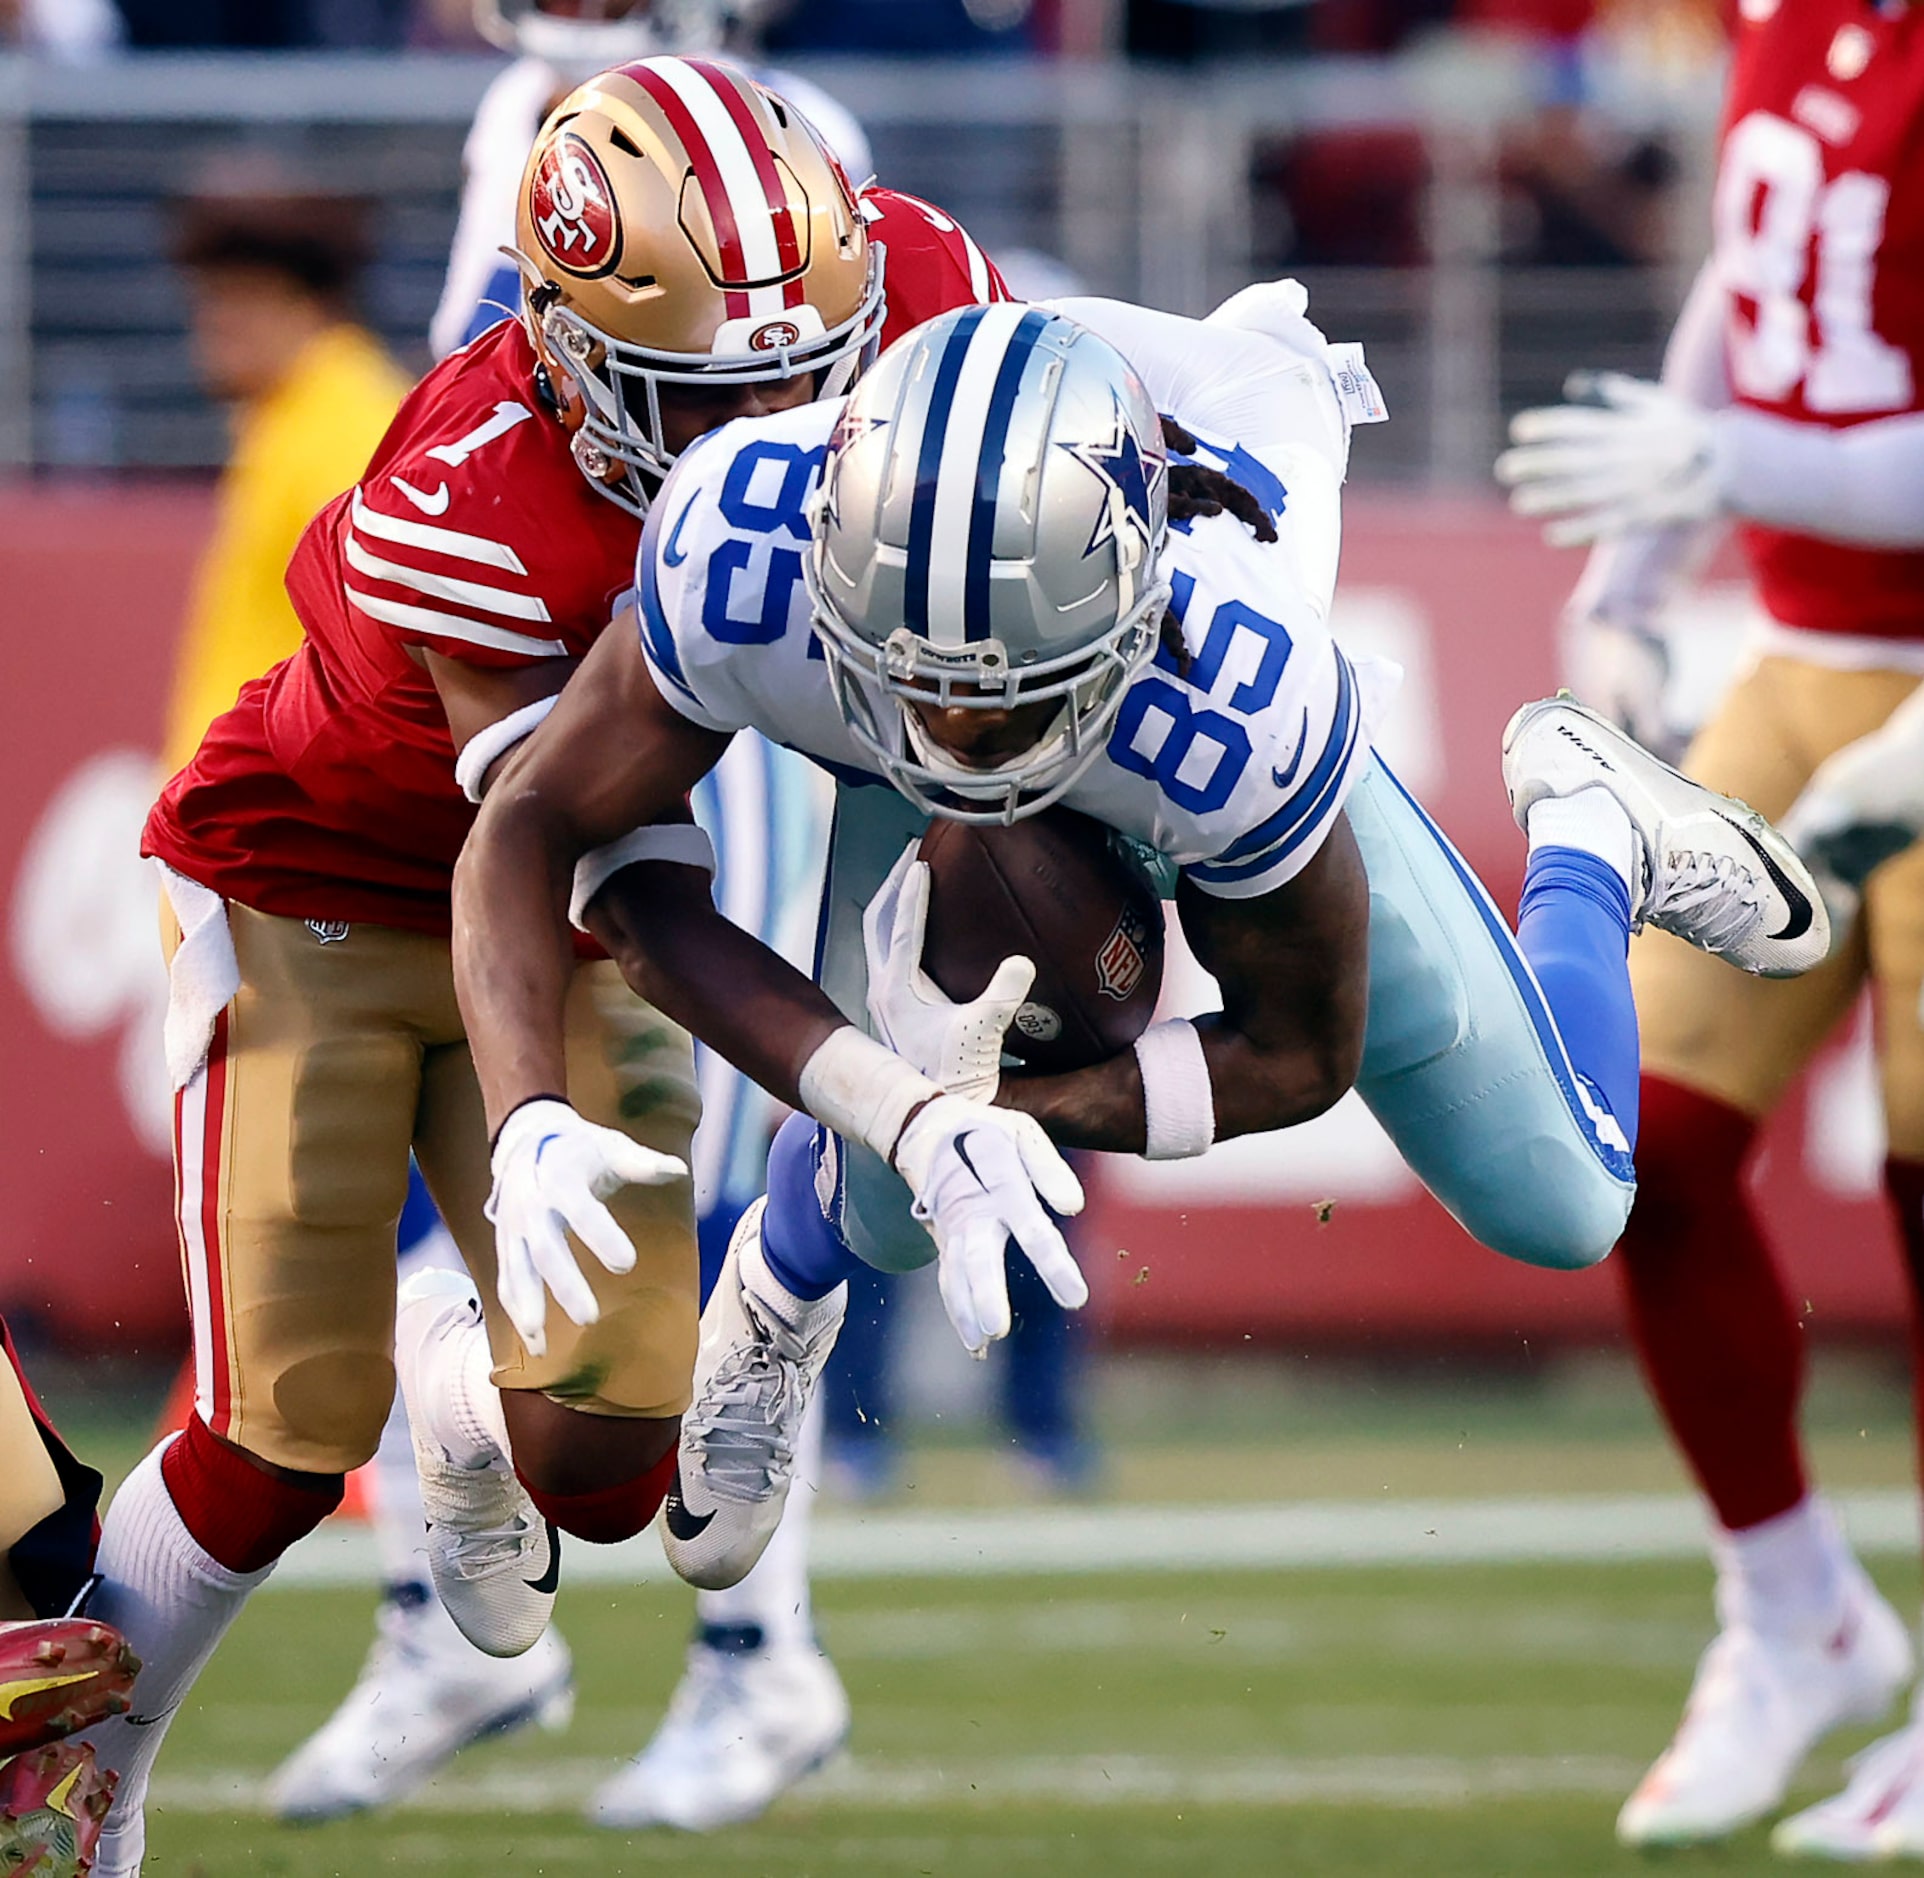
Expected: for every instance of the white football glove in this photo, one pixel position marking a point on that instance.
(1864, 804)
(552, 1170)
(1623, 670)
(959, 1045)
(980, 1177)
(1628, 455)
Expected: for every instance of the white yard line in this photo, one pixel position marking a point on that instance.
(855, 1783)
(1045, 1540)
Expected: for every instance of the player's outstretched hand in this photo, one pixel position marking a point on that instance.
(982, 1176)
(1626, 454)
(958, 1045)
(1623, 670)
(552, 1170)
(1864, 804)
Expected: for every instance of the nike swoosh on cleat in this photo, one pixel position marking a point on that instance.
(550, 1580)
(436, 504)
(1799, 920)
(686, 1526)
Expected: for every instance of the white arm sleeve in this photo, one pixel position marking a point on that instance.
(1863, 484)
(1629, 578)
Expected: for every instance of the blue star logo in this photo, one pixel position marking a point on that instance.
(1120, 462)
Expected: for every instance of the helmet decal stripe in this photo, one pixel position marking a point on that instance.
(988, 475)
(948, 369)
(786, 245)
(963, 444)
(725, 173)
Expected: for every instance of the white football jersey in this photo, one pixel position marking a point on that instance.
(1234, 769)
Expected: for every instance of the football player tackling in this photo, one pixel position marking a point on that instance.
(961, 592)
(692, 254)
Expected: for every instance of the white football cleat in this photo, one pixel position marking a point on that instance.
(1759, 1704)
(760, 1354)
(747, 1721)
(1879, 1815)
(496, 1563)
(423, 1695)
(1715, 873)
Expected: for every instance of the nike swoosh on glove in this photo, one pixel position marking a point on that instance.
(552, 1170)
(958, 1045)
(1627, 455)
(982, 1176)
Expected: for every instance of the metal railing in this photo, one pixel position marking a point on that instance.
(1142, 180)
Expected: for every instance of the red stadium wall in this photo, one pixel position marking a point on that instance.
(1232, 1247)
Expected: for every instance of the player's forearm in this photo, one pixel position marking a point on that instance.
(1253, 1091)
(513, 955)
(1863, 484)
(659, 923)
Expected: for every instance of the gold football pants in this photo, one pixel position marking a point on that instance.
(339, 1055)
(1743, 1039)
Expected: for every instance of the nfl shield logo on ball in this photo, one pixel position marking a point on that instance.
(1120, 964)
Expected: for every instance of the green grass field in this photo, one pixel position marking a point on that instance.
(1478, 1721)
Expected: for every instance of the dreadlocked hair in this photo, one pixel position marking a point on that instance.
(1196, 491)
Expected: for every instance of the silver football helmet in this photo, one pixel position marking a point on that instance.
(585, 36)
(986, 534)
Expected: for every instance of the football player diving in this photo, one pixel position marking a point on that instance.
(961, 591)
(691, 253)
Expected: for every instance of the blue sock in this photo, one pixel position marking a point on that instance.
(1574, 927)
(806, 1255)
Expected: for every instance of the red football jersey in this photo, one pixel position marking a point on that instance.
(1820, 246)
(328, 791)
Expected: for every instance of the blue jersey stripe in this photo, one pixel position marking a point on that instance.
(915, 599)
(988, 475)
(1280, 835)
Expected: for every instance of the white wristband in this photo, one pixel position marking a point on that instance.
(486, 747)
(862, 1089)
(1177, 1102)
(659, 841)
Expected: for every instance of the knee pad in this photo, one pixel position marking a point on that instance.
(239, 1514)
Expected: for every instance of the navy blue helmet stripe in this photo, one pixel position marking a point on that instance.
(915, 600)
(988, 475)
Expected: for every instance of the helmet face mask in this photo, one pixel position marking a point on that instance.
(985, 537)
(680, 227)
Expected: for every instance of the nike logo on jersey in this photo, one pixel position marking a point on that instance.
(686, 1526)
(1282, 778)
(436, 504)
(1798, 915)
(550, 1580)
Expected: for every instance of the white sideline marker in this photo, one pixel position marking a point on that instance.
(1059, 1540)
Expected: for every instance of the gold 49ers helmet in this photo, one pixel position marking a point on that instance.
(679, 225)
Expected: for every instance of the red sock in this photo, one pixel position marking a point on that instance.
(240, 1515)
(1713, 1326)
(1904, 1182)
(608, 1514)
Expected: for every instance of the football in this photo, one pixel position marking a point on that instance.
(1059, 889)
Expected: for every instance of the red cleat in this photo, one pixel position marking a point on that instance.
(57, 1675)
(52, 1805)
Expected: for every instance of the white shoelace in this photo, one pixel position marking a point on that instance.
(1715, 894)
(739, 1424)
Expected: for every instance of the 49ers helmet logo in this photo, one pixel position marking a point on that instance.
(774, 335)
(573, 208)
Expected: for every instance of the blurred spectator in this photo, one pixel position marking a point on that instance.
(271, 279)
(903, 26)
(61, 29)
(265, 25)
